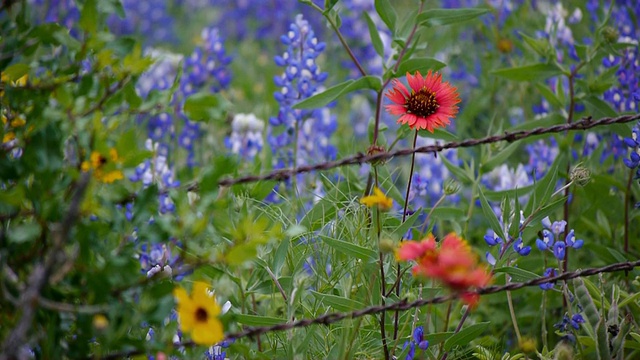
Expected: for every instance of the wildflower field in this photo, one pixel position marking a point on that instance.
(319, 179)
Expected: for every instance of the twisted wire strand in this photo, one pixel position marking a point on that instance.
(360, 158)
(403, 305)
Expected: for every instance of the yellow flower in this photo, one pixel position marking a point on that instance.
(378, 198)
(198, 315)
(8, 137)
(112, 176)
(18, 122)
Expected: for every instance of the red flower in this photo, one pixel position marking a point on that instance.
(453, 263)
(430, 104)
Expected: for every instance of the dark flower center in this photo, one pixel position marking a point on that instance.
(422, 103)
(201, 315)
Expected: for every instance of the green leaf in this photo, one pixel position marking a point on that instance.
(281, 254)
(549, 95)
(488, 212)
(16, 71)
(323, 98)
(338, 303)
(540, 46)
(598, 108)
(437, 338)
(439, 134)
(329, 4)
(441, 17)
(89, 17)
(533, 72)
(255, 320)
(203, 106)
(223, 165)
(401, 230)
(465, 336)
(499, 158)
(387, 13)
(350, 249)
(456, 170)
(24, 233)
(419, 64)
(327, 96)
(376, 41)
(517, 274)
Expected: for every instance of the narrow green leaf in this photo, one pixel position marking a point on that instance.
(465, 336)
(401, 230)
(89, 17)
(255, 320)
(488, 212)
(323, 98)
(437, 338)
(456, 170)
(419, 64)
(376, 41)
(16, 71)
(327, 96)
(280, 255)
(517, 274)
(338, 303)
(540, 46)
(202, 106)
(598, 108)
(350, 249)
(387, 13)
(499, 158)
(549, 95)
(535, 72)
(441, 17)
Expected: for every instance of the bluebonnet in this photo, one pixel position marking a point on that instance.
(552, 239)
(541, 157)
(416, 341)
(305, 133)
(427, 185)
(492, 239)
(63, 12)
(623, 96)
(208, 65)
(246, 18)
(549, 272)
(558, 33)
(504, 178)
(157, 258)
(150, 19)
(246, 136)
(574, 321)
(354, 28)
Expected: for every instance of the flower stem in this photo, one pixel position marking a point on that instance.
(404, 217)
(458, 328)
(627, 199)
(383, 279)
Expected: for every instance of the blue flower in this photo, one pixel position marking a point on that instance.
(550, 272)
(492, 238)
(518, 246)
(418, 337)
(571, 241)
(559, 250)
(546, 242)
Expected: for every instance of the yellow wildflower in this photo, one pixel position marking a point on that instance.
(8, 137)
(112, 176)
(198, 315)
(377, 199)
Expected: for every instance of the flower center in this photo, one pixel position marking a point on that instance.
(422, 103)
(201, 315)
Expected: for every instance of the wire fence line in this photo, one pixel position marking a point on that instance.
(404, 305)
(361, 158)
(401, 305)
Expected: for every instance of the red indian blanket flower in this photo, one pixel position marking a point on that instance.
(430, 104)
(453, 263)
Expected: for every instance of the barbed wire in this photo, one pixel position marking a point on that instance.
(402, 305)
(405, 305)
(361, 158)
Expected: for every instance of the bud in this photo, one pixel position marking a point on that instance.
(610, 35)
(580, 175)
(374, 150)
(505, 45)
(527, 344)
(563, 352)
(451, 187)
(100, 322)
(387, 246)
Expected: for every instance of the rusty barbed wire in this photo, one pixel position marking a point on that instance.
(405, 305)
(361, 158)
(402, 305)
